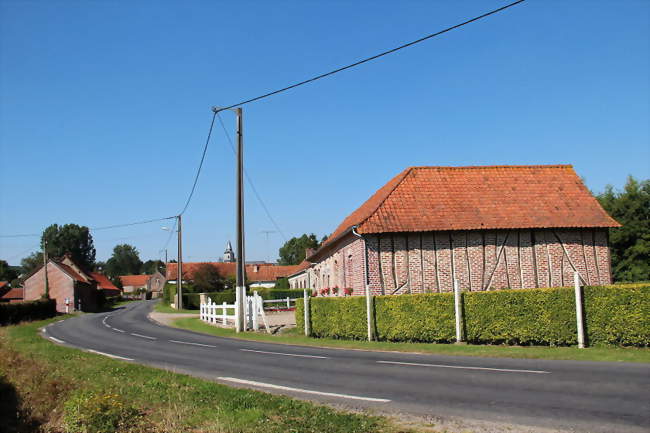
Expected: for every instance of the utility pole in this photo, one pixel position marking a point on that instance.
(240, 290)
(179, 278)
(47, 282)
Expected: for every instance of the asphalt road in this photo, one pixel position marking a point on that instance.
(558, 395)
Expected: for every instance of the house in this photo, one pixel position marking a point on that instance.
(155, 284)
(106, 285)
(69, 285)
(132, 283)
(9, 294)
(259, 274)
(298, 279)
(487, 227)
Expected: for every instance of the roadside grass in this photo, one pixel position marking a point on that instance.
(161, 307)
(56, 388)
(295, 336)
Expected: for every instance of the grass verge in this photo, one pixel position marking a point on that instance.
(55, 388)
(294, 336)
(164, 308)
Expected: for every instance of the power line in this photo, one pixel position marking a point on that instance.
(114, 226)
(250, 182)
(198, 171)
(368, 59)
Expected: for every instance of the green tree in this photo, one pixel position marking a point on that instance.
(151, 266)
(124, 261)
(6, 272)
(629, 244)
(208, 279)
(31, 262)
(70, 238)
(293, 251)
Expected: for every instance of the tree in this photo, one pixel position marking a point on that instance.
(70, 238)
(151, 266)
(629, 244)
(208, 279)
(6, 272)
(293, 251)
(124, 261)
(31, 262)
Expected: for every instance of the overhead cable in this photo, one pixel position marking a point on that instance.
(368, 59)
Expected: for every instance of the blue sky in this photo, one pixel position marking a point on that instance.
(105, 106)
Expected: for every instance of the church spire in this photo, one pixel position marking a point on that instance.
(228, 255)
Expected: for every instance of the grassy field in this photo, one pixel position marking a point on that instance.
(47, 387)
(294, 336)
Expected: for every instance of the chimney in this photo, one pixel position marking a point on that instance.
(309, 252)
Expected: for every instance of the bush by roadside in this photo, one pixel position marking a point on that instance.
(11, 313)
(614, 315)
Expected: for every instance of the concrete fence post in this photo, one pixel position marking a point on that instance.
(306, 307)
(256, 325)
(370, 315)
(580, 318)
(459, 312)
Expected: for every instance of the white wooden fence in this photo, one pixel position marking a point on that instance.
(212, 312)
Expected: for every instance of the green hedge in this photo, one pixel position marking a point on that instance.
(277, 293)
(339, 317)
(415, 318)
(614, 315)
(26, 311)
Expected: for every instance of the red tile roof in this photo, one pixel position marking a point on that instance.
(134, 280)
(3, 283)
(265, 271)
(15, 293)
(300, 268)
(474, 198)
(71, 272)
(102, 281)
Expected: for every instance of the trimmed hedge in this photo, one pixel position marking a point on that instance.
(415, 318)
(614, 315)
(26, 311)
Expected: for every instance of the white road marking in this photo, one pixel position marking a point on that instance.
(507, 370)
(306, 391)
(118, 330)
(56, 340)
(109, 355)
(192, 344)
(142, 336)
(284, 354)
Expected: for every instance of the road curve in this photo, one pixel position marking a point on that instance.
(559, 395)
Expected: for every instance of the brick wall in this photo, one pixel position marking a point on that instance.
(479, 260)
(61, 286)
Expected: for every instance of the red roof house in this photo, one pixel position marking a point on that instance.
(487, 227)
(105, 284)
(260, 275)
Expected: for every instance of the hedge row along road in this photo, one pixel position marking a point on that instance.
(564, 395)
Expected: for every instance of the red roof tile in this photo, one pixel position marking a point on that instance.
(102, 281)
(3, 283)
(474, 198)
(265, 271)
(134, 280)
(71, 272)
(15, 293)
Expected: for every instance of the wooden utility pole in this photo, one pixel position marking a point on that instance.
(179, 278)
(47, 282)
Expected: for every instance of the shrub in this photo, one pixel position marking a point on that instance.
(618, 315)
(415, 317)
(277, 293)
(338, 317)
(27, 311)
(99, 413)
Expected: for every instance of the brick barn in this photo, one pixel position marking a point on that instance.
(489, 227)
(67, 280)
